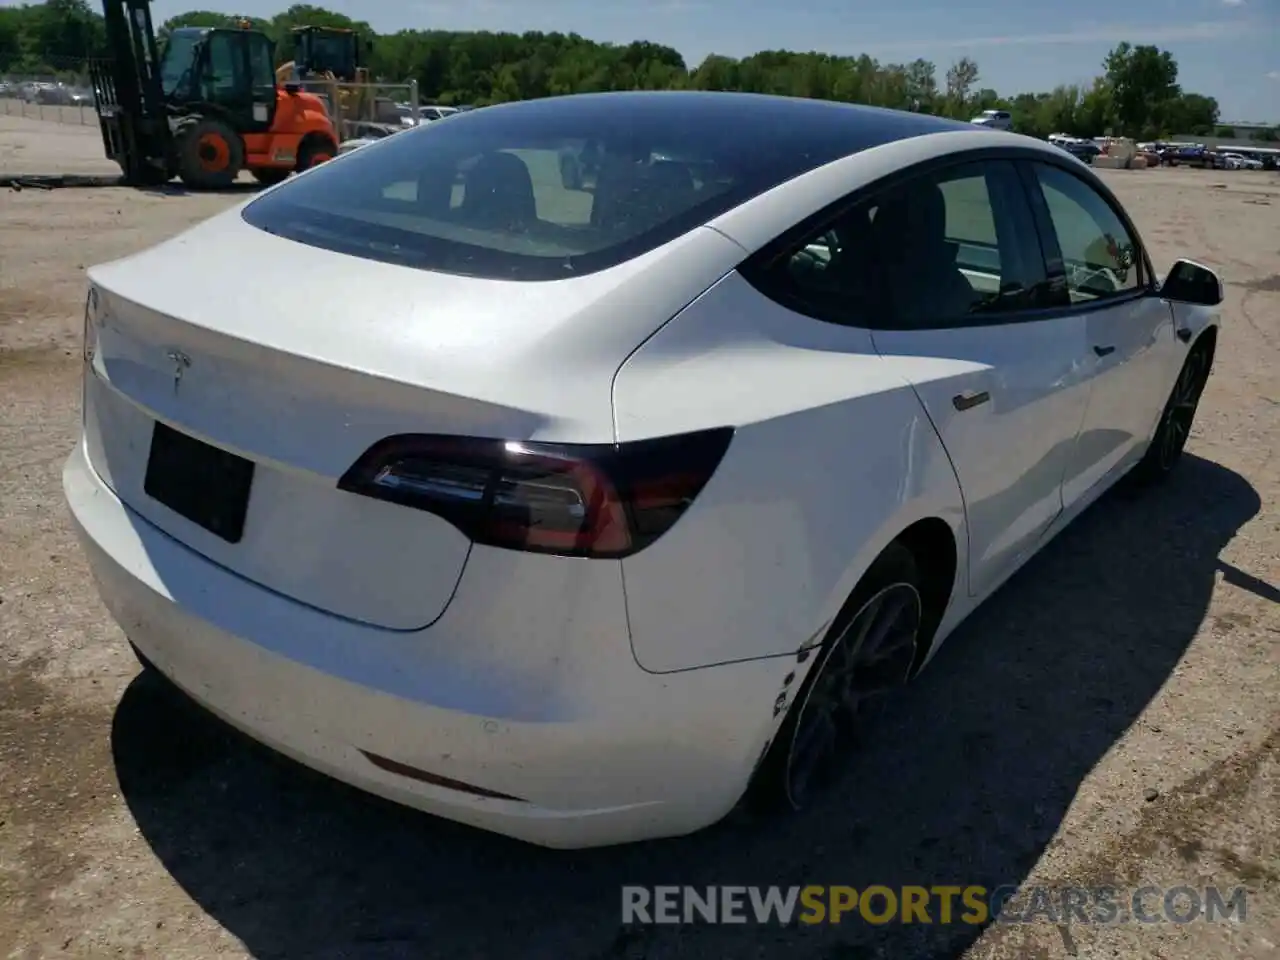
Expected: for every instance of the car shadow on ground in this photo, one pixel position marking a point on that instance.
(176, 189)
(966, 782)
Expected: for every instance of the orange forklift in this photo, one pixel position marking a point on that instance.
(205, 108)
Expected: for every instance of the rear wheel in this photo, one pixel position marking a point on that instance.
(868, 653)
(268, 176)
(210, 154)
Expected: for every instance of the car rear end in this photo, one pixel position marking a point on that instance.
(353, 486)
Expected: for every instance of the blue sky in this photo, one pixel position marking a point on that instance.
(1229, 49)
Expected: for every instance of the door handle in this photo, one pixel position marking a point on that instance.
(1103, 351)
(970, 399)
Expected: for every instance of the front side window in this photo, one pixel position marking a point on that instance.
(543, 190)
(224, 76)
(176, 62)
(1100, 257)
(261, 68)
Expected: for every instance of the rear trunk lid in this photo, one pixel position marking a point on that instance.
(298, 360)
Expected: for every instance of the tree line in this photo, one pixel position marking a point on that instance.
(1136, 94)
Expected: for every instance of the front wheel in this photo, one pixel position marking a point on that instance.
(269, 176)
(1176, 420)
(210, 154)
(869, 652)
(314, 152)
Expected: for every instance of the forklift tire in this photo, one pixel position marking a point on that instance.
(314, 151)
(270, 176)
(210, 154)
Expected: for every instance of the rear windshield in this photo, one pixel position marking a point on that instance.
(545, 190)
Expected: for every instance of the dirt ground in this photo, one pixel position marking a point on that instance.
(28, 145)
(1111, 717)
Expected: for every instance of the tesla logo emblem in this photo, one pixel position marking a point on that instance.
(180, 363)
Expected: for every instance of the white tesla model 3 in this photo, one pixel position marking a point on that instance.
(582, 467)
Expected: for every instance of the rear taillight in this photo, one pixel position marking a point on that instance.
(578, 500)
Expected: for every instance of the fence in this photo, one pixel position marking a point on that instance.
(65, 100)
(354, 107)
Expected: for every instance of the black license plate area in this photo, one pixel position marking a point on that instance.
(208, 486)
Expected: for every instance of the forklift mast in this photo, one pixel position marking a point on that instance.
(129, 94)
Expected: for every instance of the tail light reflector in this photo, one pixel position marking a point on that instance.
(580, 500)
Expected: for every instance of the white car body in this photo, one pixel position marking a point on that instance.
(568, 701)
(996, 119)
(1236, 161)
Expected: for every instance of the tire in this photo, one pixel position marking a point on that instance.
(210, 154)
(785, 781)
(269, 176)
(315, 151)
(1176, 420)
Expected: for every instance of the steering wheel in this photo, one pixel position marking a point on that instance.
(1093, 279)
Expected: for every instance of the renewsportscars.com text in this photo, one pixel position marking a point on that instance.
(975, 905)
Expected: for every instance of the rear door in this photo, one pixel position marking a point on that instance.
(1009, 417)
(1133, 347)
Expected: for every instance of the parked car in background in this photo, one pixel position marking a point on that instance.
(996, 119)
(1150, 153)
(528, 546)
(364, 133)
(1078, 147)
(50, 93)
(1239, 161)
(1198, 156)
(426, 113)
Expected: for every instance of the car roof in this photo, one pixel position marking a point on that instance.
(743, 116)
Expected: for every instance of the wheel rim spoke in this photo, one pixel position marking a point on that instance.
(1178, 419)
(875, 653)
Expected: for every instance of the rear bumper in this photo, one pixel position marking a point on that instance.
(526, 687)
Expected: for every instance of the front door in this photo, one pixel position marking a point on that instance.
(1132, 341)
(967, 283)
(237, 77)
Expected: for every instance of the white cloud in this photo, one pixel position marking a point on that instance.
(1274, 75)
(1233, 3)
(1101, 33)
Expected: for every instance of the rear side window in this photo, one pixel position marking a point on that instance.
(954, 248)
(543, 191)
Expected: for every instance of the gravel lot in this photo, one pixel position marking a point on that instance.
(29, 146)
(1112, 716)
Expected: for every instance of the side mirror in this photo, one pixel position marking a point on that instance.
(1189, 282)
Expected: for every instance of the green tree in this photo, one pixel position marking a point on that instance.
(1137, 94)
(961, 77)
(1143, 81)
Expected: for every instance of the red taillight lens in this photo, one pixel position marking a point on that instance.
(581, 500)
